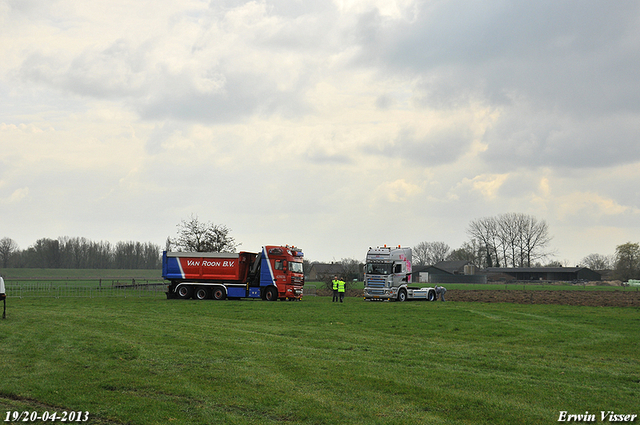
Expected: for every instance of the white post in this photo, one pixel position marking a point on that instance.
(3, 297)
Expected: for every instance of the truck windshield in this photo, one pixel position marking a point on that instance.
(378, 268)
(295, 267)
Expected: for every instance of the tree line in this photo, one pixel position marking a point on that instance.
(520, 240)
(80, 253)
(506, 240)
(627, 261)
(512, 240)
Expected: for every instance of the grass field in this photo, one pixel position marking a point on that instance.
(158, 361)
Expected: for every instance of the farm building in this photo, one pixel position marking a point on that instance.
(447, 272)
(567, 274)
(322, 271)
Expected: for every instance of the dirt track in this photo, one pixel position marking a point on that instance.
(534, 296)
(588, 298)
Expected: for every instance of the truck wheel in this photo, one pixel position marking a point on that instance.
(432, 296)
(219, 294)
(184, 292)
(271, 294)
(402, 295)
(201, 293)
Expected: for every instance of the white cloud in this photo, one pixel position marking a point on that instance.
(16, 196)
(397, 191)
(333, 125)
(581, 204)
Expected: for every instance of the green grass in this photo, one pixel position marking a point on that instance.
(48, 282)
(158, 361)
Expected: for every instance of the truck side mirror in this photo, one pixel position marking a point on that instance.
(284, 265)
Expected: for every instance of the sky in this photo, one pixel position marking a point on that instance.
(329, 125)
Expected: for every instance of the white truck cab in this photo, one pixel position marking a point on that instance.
(387, 276)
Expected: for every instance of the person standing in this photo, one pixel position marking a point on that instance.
(3, 297)
(440, 290)
(341, 289)
(334, 284)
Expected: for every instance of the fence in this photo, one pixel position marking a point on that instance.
(94, 287)
(85, 287)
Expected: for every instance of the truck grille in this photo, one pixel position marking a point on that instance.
(375, 282)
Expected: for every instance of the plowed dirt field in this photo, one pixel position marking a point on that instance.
(588, 298)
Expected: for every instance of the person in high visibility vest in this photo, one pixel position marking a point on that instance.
(334, 283)
(341, 288)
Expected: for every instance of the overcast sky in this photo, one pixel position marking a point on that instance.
(330, 125)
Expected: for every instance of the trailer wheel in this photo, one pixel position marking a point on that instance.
(402, 295)
(219, 294)
(201, 293)
(271, 294)
(432, 296)
(184, 292)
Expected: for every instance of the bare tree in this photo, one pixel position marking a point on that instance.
(7, 248)
(47, 253)
(420, 253)
(351, 269)
(195, 236)
(523, 238)
(511, 239)
(471, 251)
(428, 253)
(509, 228)
(533, 239)
(136, 255)
(598, 262)
(81, 253)
(485, 230)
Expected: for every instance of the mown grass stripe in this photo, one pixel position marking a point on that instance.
(152, 360)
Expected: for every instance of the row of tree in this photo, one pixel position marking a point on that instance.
(520, 240)
(627, 261)
(507, 240)
(80, 253)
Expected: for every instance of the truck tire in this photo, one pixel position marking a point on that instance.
(402, 295)
(432, 296)
(184, 292)
(271, 294)
(219, 293)
(201, 293)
